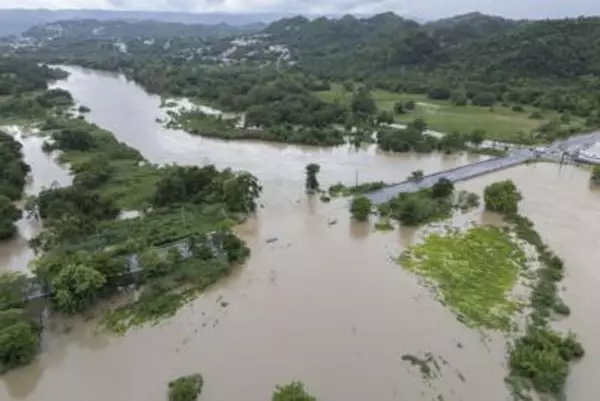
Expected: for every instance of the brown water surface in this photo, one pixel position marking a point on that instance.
(45, 172)
(324, 303)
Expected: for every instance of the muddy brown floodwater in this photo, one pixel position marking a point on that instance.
(324, 303)
(15, 254)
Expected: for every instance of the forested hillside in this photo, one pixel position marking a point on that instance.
(551, 64)
(524, 81)
(473, 43)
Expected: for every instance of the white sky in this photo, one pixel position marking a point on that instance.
(420, 8)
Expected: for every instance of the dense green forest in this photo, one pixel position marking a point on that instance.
(23, 94)
(535, 80)
(181, 241)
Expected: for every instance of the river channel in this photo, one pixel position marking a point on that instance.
(323, 304)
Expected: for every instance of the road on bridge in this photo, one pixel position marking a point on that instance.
(515, 157)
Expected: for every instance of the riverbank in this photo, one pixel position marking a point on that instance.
(363, 312)
(177, 203)
(88, 254)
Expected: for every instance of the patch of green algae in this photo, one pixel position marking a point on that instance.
(472, 272)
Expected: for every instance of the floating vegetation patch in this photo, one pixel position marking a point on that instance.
(472, 272)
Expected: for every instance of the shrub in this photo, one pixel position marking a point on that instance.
(186, 388)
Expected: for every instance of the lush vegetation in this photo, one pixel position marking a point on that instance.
(12, 181)
(415, 138)
(360, 208)
(541, 357)
(198, 123)
(88, 252)
(295, 391)
(19, 335)
(14, 169)
(428, 205)
(340, 189)
(465, 74)
(595, 176)
(186, 388)
(189, 388)
(502, 197)
(473, 272)
(498, 64)
(179, 243)
(515, 124)
(23, 90)
(312, 183)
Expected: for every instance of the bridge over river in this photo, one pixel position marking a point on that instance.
(518, 156)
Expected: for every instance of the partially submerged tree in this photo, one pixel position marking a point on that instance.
(595, 174)
(76, 287)
(416, 176)
(19, 337)
(502, 197)
(12, 288)
(186, 388)
(9, 214)
(385, 117)
(312, 184)
(399, 108)
(361, 208)
(294, 391)
(442, 188)
(476, 137)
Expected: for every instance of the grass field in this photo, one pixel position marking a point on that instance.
(473, 273)
(499, 123)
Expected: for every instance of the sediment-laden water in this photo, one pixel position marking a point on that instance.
(324, 303)
(45, 172)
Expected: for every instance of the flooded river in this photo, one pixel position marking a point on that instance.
(45, 172)
(323, 304)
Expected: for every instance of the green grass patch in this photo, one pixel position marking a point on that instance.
(472, 272)
(131, 180)
(499, 123)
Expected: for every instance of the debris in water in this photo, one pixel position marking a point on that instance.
(332, 222)
(460, 376)
(224, 304)
(459, 345)
(271, 240)
(424, 364)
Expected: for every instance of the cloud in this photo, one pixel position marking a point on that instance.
(420, 8)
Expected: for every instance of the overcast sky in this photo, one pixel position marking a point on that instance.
(418, 8)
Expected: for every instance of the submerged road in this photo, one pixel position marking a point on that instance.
(515, 157)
